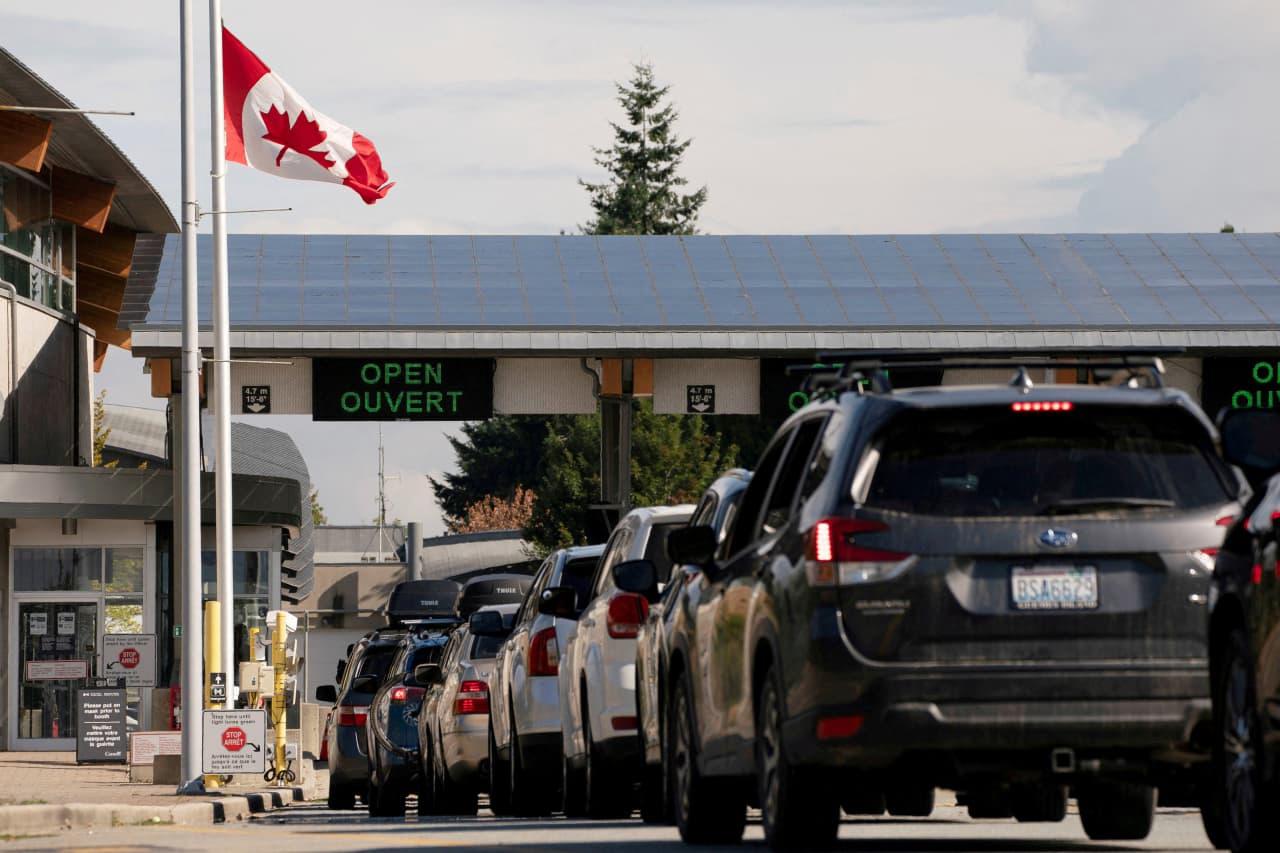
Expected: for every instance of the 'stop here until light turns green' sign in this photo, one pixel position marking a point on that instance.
(401, 389)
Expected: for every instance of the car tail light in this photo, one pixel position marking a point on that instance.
(1043, 406)
(836, 559)
(625, 724)
(544, 653)
(472, 698)
(324, 741)
(406, 694)
(834, 728)
(627, 612)
(353, 715)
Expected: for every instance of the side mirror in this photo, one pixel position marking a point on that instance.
(637, 576)
(692, 545)
(1251, 439)
(327, 693)
(426, 674)
(487, 623)
(365, 684)
(559, 601)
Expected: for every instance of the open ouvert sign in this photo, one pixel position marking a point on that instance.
(401, 389)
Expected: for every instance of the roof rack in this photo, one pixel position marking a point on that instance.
(835, 375)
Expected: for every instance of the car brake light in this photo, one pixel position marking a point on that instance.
(544, 653)
(627, 612)
(1043, 406)
(625, 724)
(353, 715)
(1257, 573)
(1227, 520)
(472, 698)
(836, 559)
(406, 694)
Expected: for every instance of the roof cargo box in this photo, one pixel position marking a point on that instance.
(416, 601)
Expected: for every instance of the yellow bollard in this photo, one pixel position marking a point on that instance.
(278, 709)
(212, 663)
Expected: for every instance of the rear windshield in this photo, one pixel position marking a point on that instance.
(485, 647)
(996, 462)
(375, 661)
(655, 550)
(578, 573)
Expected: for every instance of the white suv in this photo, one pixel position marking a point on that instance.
(524, 736)
(601, 744)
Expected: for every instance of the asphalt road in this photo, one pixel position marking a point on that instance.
(314, 828)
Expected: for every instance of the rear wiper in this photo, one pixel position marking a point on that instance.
(1087, 504)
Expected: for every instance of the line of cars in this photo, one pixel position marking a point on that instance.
(410, 712)
(1006, 591)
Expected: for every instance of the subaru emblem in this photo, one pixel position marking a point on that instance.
(1055, 538)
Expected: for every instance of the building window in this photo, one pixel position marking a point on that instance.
(123, 586)
(250, 575)
(34, 255)
(57, 569)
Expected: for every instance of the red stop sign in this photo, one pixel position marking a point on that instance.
(234, 739)
(129, 658)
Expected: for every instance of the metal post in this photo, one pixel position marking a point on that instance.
(221, 354)
(213, 663)
(278, 704)
(189, 458)
(412, 548)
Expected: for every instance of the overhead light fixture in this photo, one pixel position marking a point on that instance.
(70, 526)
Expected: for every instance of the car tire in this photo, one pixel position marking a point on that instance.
(385, 801)
(799, 810)
(707, 811)
(499, 780)
(653, 802)
(863, 801)
(909, 800)
(573, 790)
(1244, 809)
(1039, 803)
(988, 804)
(428, 796)
(341, 797)
(604, 790)
(1116, 811)
(527, 797)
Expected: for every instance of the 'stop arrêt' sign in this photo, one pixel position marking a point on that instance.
(401, 389)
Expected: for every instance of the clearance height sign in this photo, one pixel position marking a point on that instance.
(401, 389)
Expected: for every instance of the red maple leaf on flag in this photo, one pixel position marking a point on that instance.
(304, 135)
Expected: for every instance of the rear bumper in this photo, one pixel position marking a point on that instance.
(1135, 711)
(347, 764)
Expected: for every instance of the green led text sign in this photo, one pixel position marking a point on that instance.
(401, 389)
(1263, 392)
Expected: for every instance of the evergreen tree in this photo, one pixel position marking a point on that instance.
(643, 193)
(495, 457)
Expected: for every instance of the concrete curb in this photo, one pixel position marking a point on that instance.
(36, 819)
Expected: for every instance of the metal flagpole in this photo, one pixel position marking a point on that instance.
(221, 352)
(189, 460)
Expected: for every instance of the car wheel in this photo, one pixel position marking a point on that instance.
(909, 800)
(798, 809)
(341, 797)
(653, 805)
(1247, 819)
(573, 790)
(1116, 811)
(1039, 803)
(371, 797)
(605, 793)
(428, 797)
(707, 811)
(988, 804)
(499, 780)
(529, 798)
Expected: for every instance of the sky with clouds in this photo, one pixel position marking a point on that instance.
(807, 117)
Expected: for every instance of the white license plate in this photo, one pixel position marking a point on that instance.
(1054, 588)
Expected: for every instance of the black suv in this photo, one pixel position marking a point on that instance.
(1245, 648)
(995, 589)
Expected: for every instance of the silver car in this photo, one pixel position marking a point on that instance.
(525, 748)
(453, 724)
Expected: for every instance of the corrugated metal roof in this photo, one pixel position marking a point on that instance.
(718, 285)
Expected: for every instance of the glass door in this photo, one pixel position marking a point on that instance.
(57, 653)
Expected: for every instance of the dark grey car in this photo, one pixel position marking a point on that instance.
(997, 589)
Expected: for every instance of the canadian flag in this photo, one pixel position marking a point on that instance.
(272, 128)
